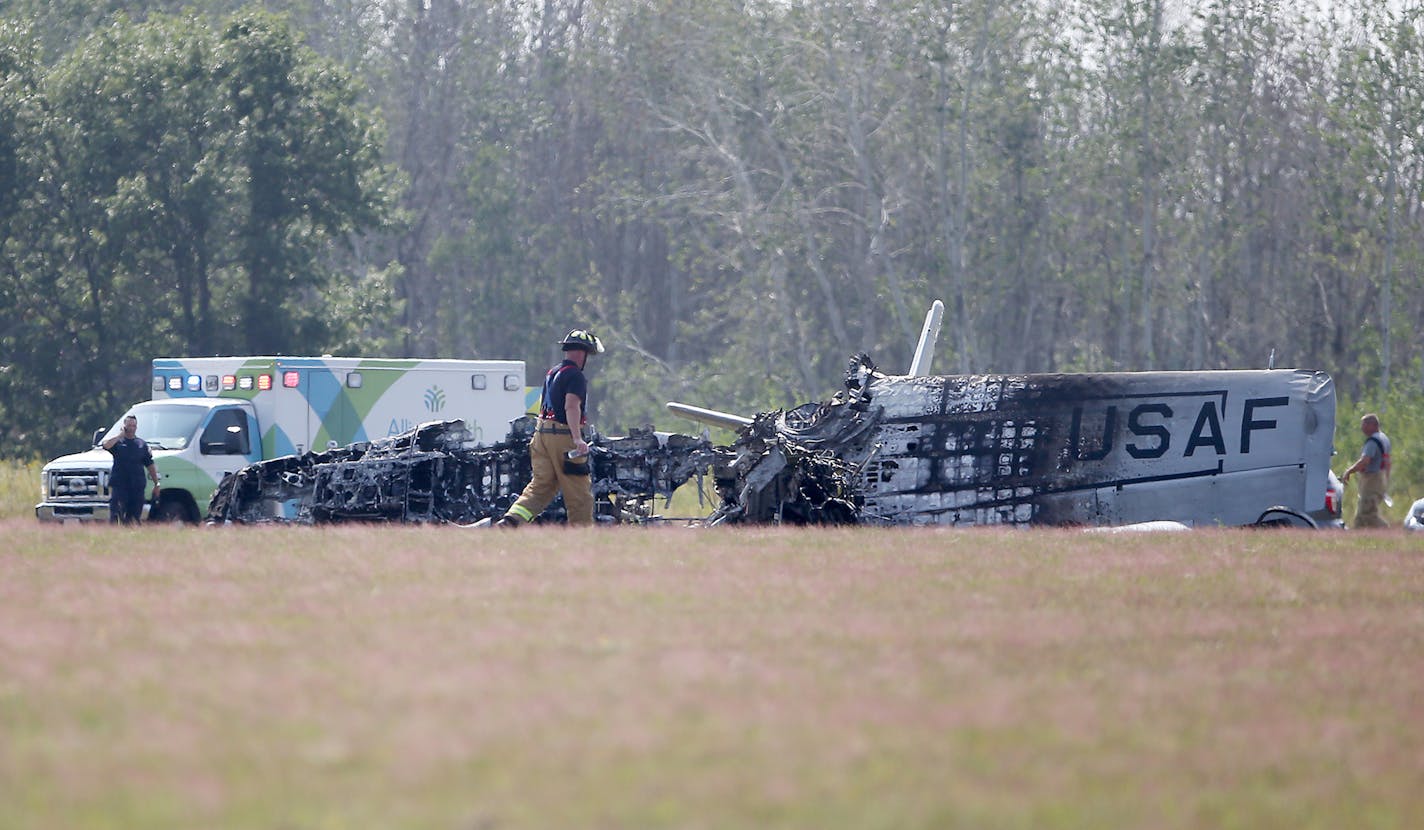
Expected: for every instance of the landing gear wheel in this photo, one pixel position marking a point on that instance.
(1280, 516)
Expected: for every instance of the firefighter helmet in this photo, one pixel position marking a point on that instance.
(582, 339)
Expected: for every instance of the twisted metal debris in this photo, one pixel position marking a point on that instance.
(1095, 449)
(436, 474)
(1197, 448)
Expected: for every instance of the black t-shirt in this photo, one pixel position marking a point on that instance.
(568, 379)
(131, 458)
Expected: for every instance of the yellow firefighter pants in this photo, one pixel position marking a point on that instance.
(1372, 490)
(547, 457)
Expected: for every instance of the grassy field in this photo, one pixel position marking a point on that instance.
(437, 678)
(19, 488)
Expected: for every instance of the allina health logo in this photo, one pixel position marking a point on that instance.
(434, 399)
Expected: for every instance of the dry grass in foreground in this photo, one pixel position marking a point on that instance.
(434, 678)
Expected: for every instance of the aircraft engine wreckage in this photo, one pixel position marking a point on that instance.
(1100, 450)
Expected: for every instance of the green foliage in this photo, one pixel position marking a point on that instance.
(305, 155)
(360, 311)
(171, 189)
(740, 195)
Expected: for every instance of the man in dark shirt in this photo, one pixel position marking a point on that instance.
(558, 454)
(131, 458)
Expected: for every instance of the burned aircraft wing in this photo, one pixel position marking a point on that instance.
(436, 473)
(1201, 448)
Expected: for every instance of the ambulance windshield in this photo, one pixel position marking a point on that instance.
(163, 427)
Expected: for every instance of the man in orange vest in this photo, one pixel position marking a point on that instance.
(558, 454)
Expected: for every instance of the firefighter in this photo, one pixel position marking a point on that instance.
(563, 406)
(1373, 468)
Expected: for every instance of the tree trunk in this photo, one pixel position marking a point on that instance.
(1149, 191)
(1387, 282)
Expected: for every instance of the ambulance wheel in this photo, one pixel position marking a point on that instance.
(175, 508)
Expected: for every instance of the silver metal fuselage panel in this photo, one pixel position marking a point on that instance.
(1201, 448)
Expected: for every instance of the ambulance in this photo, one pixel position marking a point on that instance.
(209, 417)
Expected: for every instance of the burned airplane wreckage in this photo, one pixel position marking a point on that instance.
(1199, 448)
(1207, 448)
(436, 474)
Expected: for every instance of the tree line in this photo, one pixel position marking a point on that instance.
(736, 194)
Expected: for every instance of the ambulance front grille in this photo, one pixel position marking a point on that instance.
(79, 485)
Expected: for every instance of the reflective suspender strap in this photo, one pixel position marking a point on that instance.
(546, 407)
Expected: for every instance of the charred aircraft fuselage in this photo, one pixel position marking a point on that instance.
(1202, 448)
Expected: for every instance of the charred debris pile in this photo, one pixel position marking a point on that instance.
(787, 466)
(1106, 449)
(435, 474)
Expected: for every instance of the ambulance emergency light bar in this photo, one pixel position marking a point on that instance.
(211, 383)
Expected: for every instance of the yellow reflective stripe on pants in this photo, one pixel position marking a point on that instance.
(548, 478)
